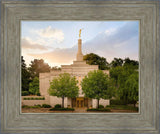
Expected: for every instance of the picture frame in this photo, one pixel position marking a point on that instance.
(146, 121)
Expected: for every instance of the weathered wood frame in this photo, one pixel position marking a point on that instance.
(146, 121)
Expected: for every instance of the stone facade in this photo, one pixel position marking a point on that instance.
(79, 69)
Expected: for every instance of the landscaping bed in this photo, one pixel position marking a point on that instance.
(99, 110)
(62, 109)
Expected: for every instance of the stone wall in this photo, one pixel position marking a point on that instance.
(34, 102)
(57, 100)
(101, 102)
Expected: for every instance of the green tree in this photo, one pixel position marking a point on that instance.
(131, 62)
(115, 72)
(25, 75)
(94, 59)
(97, 85)
(38, 66)
(34, 86)
(128, 91)
(64, 86)
(116, 62)
(123, 76)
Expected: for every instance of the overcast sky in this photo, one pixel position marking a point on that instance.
(56, 41)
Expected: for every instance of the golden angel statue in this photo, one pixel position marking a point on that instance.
(80, 33)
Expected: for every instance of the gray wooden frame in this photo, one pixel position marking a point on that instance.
(146, 11)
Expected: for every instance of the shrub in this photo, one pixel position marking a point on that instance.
(99, 110)
(62, 109)
(57, 106)
(34, 98)
(24, 106)
(117, 102)
(37, 106)
(101, 106)
(25, 93)
(46, 106)
(38, 94)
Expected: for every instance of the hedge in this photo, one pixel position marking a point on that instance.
(99, 110)
(62, 109)
(25, 93)
(34, 98)
(37, 106)
(57, 106)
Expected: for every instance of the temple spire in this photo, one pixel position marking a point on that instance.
(79, 53)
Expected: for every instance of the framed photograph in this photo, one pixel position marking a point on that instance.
(98, 72)
(80, 66)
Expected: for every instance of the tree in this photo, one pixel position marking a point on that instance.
(64, 86)
(115, 72)
(97, 85)
(38, 66)
(128, 90)
(34, 86)
(132, 63)
(56, 68)
(116, 62)
(94, 59)
(131, 85)
(126, 78)
(25, 75)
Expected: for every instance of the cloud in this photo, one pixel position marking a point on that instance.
(49, 32)
(27, 43)
(58, 56)
(122, 42)
(110, 31)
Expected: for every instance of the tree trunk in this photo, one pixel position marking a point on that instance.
(97, 103)
(62, 101)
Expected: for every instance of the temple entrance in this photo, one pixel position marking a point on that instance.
(80, 102)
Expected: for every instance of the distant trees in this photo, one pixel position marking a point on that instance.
(30, 75)
(94, 59)
(116, 62)
(38, 66)
(64, 86)
(25, 75)
(56, 68)
(97, 85)
(34, 86)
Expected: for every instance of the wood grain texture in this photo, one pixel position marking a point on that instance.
(146, 12)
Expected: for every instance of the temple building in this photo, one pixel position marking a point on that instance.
(79, 69)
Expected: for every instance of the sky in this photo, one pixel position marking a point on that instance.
(57, 41)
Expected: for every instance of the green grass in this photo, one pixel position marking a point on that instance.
(122, 107)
